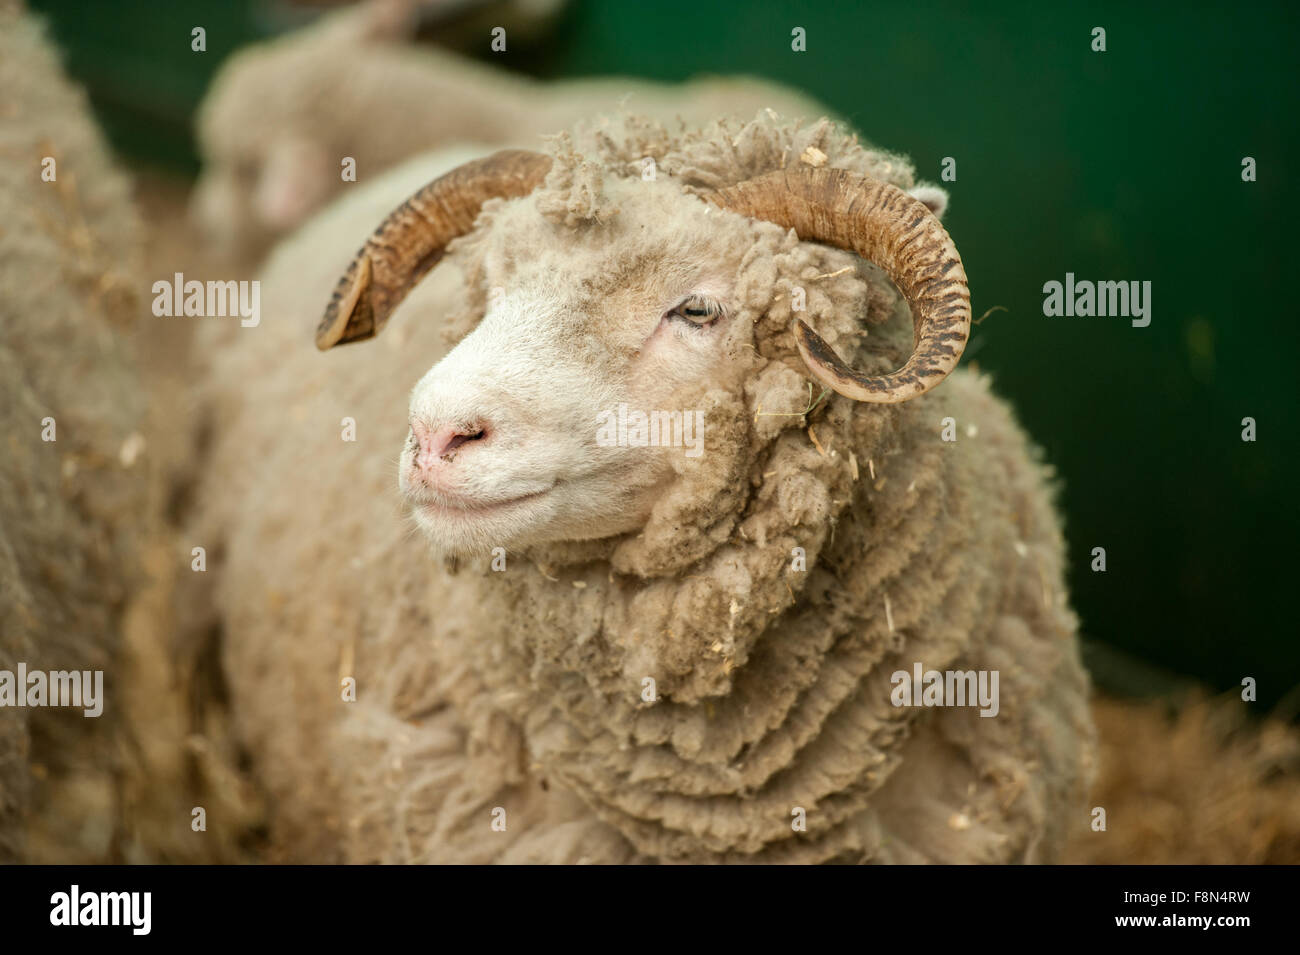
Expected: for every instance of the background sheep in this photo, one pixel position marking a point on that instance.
(281, 116)
(69, 260)
(521, 690)
(86, 560)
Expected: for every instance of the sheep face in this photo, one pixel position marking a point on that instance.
(263, 173)
(518, 436)
(270, 156)
(623, 311)
(248, 197)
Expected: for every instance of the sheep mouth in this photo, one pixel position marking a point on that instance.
(463, 508)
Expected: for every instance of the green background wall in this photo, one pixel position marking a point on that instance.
(1122, 165)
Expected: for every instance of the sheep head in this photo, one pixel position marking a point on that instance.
(618, 292)
(268, 160)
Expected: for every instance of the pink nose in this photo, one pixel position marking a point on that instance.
(437, 447)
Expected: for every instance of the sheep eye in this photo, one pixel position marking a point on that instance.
(697, 311)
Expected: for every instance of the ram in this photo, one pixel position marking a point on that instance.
(283, 116)
(518, 643)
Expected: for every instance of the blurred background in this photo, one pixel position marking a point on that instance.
(1121, 165)
(1116, 165)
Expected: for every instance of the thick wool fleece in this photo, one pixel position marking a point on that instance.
(516, 696)
(68, 284)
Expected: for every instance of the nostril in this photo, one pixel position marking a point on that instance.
(460, 438)
(441, 443)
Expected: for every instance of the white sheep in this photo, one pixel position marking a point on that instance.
(627, 651)
(282, 117)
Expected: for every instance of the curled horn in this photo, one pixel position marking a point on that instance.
(886, 226)
(411, 241)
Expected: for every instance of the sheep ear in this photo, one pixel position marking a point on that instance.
(370, 21)
(293, 181)
(934, 198)
(390, 20)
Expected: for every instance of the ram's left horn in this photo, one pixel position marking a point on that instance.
(413, 238)
(886, 226)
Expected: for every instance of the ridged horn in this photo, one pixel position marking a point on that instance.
(886, 226)
(411, 241)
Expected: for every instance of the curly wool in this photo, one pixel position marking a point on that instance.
(521, 690)
(69, 260)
